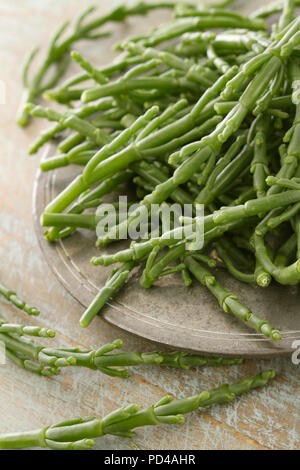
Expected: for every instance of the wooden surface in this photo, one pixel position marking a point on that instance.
(265, 419)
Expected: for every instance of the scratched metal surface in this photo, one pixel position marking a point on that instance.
(266, 419)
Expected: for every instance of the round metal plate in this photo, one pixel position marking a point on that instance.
(168, 313)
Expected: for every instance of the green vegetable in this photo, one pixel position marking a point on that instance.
(43, 360)
(59, 48)
(21, 330)
(229, 302)
(78, 433)
(117, 278)
(14, 299)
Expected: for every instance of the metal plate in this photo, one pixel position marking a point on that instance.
(168, 313)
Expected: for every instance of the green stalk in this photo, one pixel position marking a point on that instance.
(256, 207)
(21, 330)
(260, 164)
(57, 51)
(14, 299)
(77, 433)
(117, 278)
(83, 112)
(72, 121)
(231, 268)
(125, 86)
(104, 188)
(153, 271)
(229, 302)
(42, 360)
(288, 275)
(285, 253)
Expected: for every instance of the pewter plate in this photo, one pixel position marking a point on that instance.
(168, 313)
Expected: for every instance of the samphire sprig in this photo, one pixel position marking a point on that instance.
(59, 48)
(43, 360)
(15, 300)
(78, 433)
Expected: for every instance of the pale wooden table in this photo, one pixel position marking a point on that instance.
(265, 419)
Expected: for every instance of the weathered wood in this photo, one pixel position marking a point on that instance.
(264, 419)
